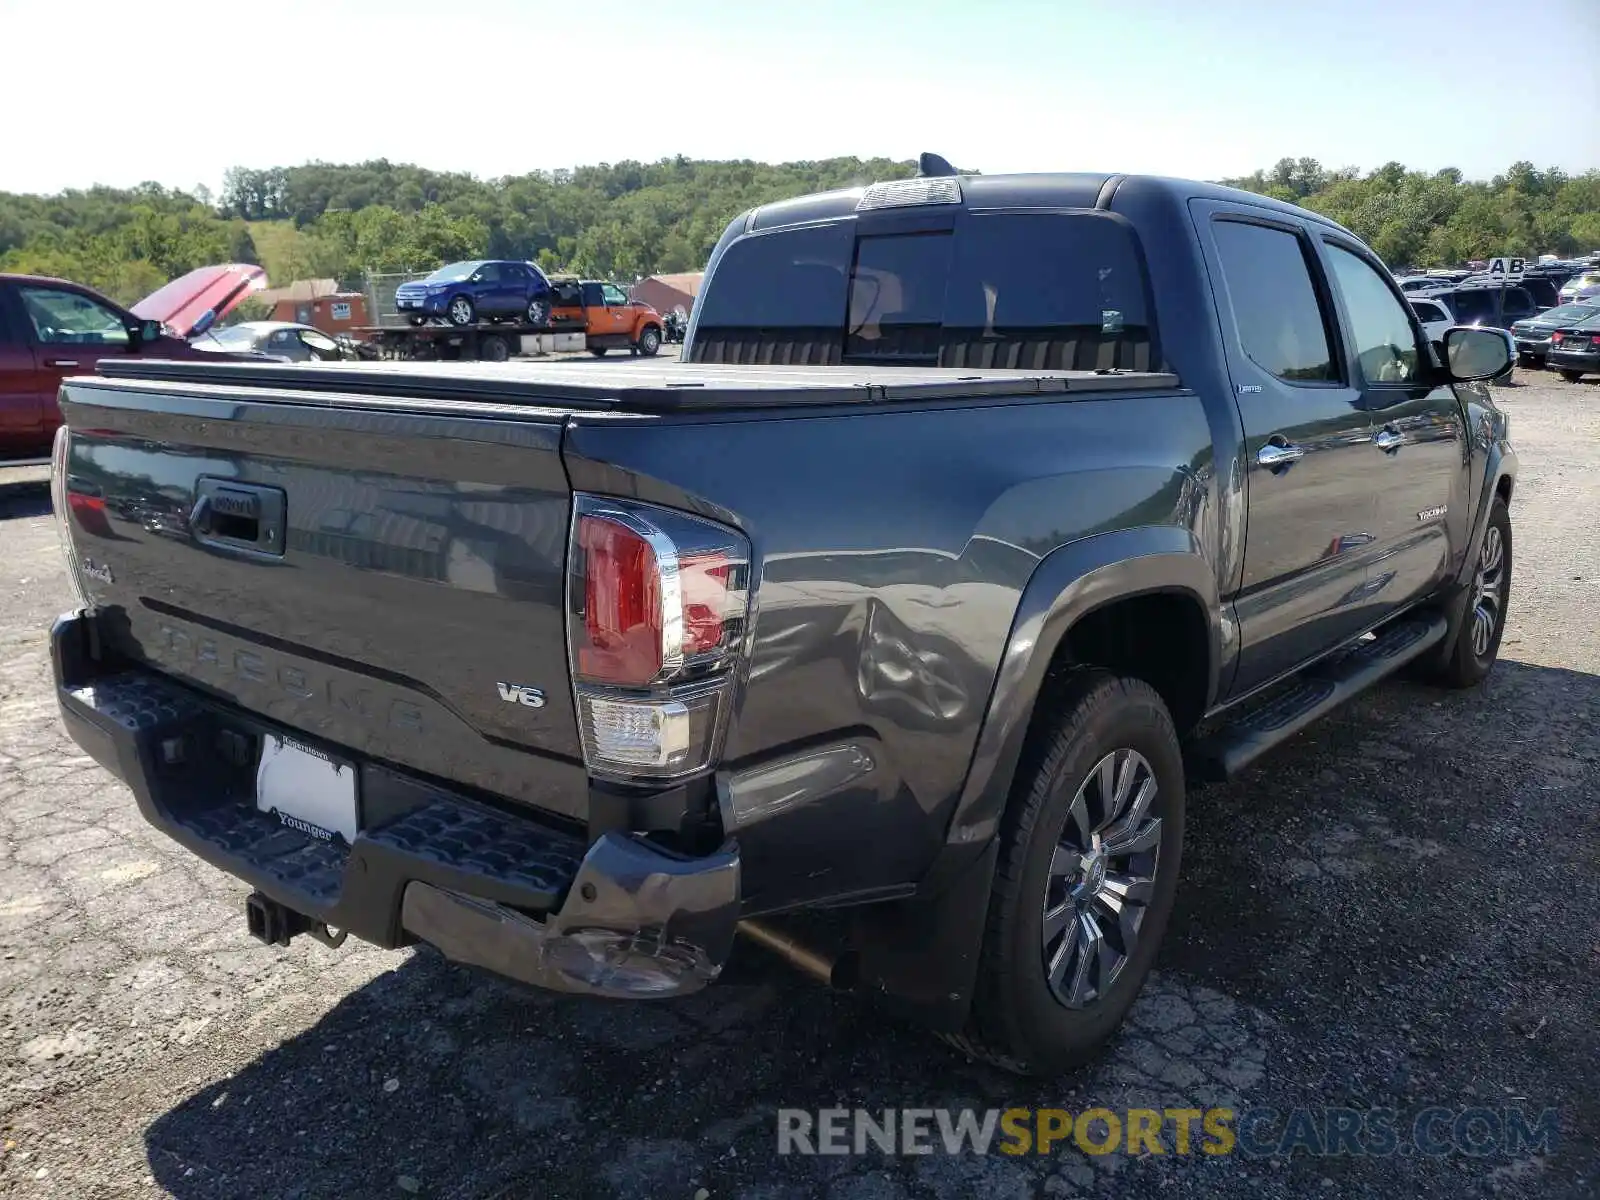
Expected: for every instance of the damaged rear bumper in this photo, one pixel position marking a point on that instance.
(486, 885)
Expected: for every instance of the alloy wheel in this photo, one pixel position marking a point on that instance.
(1489, 603)
(1101, 879)
(460, 310)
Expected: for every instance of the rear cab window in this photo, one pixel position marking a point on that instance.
(1062, 290)
(1280, 321)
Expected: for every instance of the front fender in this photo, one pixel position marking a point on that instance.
(1491, 459)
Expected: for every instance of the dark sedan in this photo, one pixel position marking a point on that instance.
(1575, 349)
(1533, 334)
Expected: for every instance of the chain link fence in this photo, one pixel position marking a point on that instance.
(380, 289)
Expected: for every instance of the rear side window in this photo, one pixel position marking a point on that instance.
(1281, 324)
(1472, 306)
(1033, 291)
(1518, 303)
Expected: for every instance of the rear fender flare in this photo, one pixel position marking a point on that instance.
(1068, 584)
(919, 956)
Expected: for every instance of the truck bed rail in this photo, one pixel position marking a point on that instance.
(638, 387)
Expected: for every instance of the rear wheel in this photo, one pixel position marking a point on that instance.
(1086, 878)
(538, 311)
(649, 341)
(461, 310)
(494, 349)
(1572, 376)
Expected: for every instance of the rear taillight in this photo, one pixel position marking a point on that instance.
(1556, 338)
(658, 604)
(63, 502)
(1594, 341)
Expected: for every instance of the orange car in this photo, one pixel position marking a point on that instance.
(610, 320)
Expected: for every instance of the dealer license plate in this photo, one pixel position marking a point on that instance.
(306, 789)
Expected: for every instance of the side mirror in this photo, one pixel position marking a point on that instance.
(144, 332)
(1474, 353)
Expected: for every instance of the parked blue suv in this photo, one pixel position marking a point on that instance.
(480, 290)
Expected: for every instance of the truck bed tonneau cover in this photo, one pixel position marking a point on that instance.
(634, 386)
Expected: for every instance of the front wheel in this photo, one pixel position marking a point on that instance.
(598, 351)
(1086, 878)
(649, 341)
(461, 311)
(1572, 376)
(1469, 658)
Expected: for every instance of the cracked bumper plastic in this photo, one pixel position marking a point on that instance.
(485, 885)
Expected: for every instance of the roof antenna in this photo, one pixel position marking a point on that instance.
(931, 164)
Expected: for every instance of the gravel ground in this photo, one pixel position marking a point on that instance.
(1398, 909)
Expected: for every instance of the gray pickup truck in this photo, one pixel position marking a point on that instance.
(983, 513)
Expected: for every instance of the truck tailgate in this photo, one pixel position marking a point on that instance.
(371, 573)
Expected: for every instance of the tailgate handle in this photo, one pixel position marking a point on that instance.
(238, 516)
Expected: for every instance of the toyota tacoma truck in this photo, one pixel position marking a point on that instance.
(983, 515)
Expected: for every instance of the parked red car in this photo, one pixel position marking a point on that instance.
(52, 328)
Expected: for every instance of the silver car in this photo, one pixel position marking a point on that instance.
(284, 341)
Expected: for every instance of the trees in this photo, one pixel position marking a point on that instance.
(631, 218)
(1412, 218)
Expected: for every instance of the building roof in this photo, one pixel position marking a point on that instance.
(688, 282)
(301, 290)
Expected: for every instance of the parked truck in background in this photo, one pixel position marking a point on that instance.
(984, 514)
(611, 321)
(53, 328)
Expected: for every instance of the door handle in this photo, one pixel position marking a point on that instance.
(1388, 441)
(1272, 455)
(60, 362)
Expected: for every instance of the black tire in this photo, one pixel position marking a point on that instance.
(598, 351)
(1526, 362)
(649, 341)
(493, 349)
(1466, 661)
(1017, 1021)
(461, 310)
(1572, 376)
(538, 311)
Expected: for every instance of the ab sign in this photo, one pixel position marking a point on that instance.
(1504, 270)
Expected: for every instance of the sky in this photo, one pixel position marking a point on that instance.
(119, 94)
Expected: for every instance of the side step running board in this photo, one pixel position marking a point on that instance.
(1260, 725)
